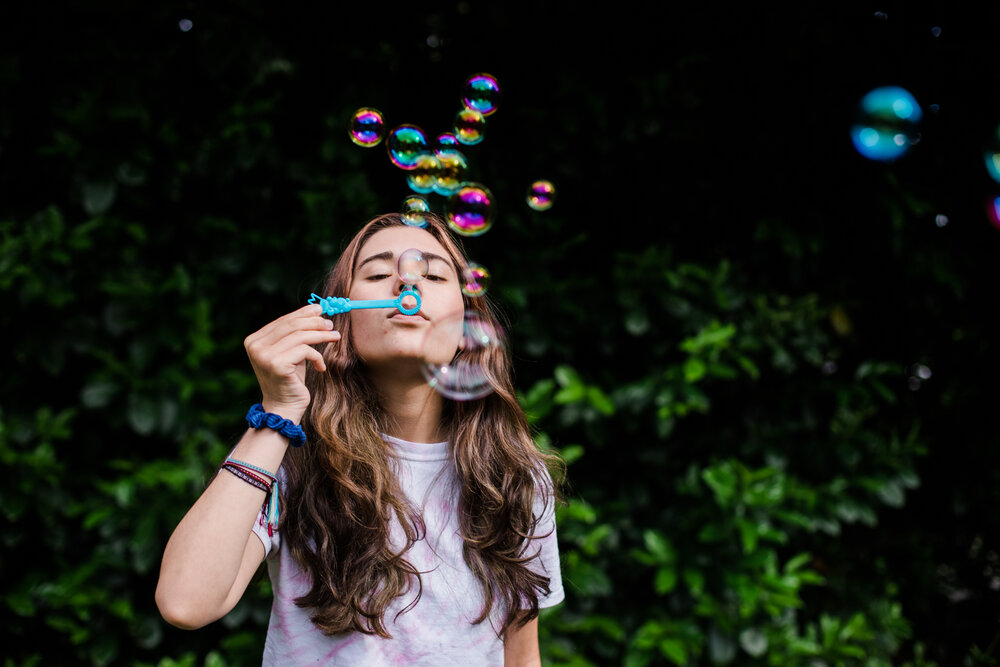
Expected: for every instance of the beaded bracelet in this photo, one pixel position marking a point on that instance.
(257, 418)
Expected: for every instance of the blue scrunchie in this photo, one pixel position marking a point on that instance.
(257, 418)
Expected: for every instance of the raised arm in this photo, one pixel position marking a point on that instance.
(212, 554)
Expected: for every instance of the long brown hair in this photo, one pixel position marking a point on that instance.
(341, 493)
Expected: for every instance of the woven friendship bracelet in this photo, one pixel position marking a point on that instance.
(252, 480)
(257, 418)
(255, 476)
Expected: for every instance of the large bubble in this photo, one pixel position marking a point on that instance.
(458, 353)
(481, 93)
(887, 124)
(406, 143)
(469, 209)
(366, 127)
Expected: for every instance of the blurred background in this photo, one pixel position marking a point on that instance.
(763, 349)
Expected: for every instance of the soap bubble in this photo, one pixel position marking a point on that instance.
(414, 211)
(469, 209)
(482, 93)
(452, 171)
(446, 141)
(366, 127)
(992, 155)
(412, 266)
(457, 355)
(541, 195)
(424, 175)
(993, 210)
(475, 280)
(405, 144)
(887, 123)
(470, 127)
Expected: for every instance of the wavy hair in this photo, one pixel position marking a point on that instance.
(342, 495)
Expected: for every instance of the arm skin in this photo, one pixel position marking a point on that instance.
(213, 553)
(520, 646)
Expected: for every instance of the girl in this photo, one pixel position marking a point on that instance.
(413, 529)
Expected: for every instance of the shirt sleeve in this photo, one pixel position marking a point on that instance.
(272, 542)
(547, 562)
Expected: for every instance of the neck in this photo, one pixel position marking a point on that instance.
(414, 409)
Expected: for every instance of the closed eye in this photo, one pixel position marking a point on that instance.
(379, 276)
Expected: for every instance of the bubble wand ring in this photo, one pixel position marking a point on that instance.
(335, 305)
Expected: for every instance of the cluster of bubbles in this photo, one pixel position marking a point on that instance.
(437, 166)
(887, 127)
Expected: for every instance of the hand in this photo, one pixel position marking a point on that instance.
(279, 353)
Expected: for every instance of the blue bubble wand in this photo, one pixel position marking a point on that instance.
(335, 305)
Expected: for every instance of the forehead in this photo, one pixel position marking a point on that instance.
(400, 238)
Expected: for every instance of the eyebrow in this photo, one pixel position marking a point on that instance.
(387, 256)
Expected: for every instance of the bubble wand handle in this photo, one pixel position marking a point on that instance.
(335, 305)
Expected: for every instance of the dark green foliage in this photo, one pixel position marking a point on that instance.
(725, 325)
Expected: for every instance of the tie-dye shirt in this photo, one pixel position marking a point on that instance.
(439, 629)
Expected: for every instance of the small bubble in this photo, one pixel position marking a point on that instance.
(914, 383)
(941, 220)
(886, 125)
(936, 31)
(470, 127)
(541, 195)
(185, 25)
(469, 209)
(881, 16)
(405, 144)
(475, 280)
(921, 371)
(366, 127)
(412, 266)
(452, 171)
(829, 367)
(423, 177)
(414, 211)
(482, 93)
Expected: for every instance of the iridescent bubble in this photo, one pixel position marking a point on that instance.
(481, 93)
(470, 127)
(424, 175)
(541, 195)
(458, 353)
(414, 211)
(445, 141)
(452, 171)
(469, 209)
(993, 210)
(412, 266)
(888, 119)
(475, 280)
(992, 155)
(405, 144)
(366, 127)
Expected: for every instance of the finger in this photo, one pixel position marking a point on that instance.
(287, 324)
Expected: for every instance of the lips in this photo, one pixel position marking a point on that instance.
(419, 315)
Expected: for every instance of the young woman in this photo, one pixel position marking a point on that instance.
(414, 529)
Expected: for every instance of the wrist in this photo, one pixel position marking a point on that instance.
(292, 413)
(258, 417)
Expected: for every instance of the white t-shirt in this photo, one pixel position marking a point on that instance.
(439, 629)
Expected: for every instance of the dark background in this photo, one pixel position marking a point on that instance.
(163, 193)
